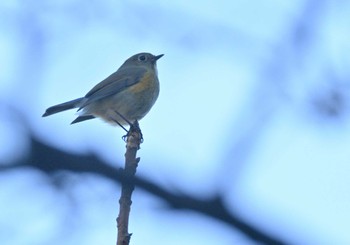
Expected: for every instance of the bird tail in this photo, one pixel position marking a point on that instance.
(62, 107)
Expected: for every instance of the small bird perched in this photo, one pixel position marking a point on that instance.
(125, 96)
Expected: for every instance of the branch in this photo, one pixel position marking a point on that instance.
(133, 142)
(51, 161)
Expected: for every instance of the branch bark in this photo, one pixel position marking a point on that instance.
(133, 142)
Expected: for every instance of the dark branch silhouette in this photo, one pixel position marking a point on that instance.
(51, 161)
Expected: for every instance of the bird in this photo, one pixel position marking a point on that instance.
(125, 96)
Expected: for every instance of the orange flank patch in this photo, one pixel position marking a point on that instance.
(146, 83)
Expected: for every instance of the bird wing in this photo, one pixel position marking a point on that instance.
(115, 83)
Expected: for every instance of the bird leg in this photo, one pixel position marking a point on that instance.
(134, 127)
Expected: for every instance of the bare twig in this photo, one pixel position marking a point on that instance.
(133, 141)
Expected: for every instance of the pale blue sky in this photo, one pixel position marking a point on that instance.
(235, 116)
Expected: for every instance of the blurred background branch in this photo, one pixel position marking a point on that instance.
(52, 162)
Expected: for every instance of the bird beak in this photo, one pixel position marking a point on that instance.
(157, 57)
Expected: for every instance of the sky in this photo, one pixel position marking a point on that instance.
(253, 104)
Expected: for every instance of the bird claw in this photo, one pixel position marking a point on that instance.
(134, 128)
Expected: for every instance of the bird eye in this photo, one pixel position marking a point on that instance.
(142, 57)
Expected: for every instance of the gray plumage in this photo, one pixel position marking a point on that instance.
(131, 91)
